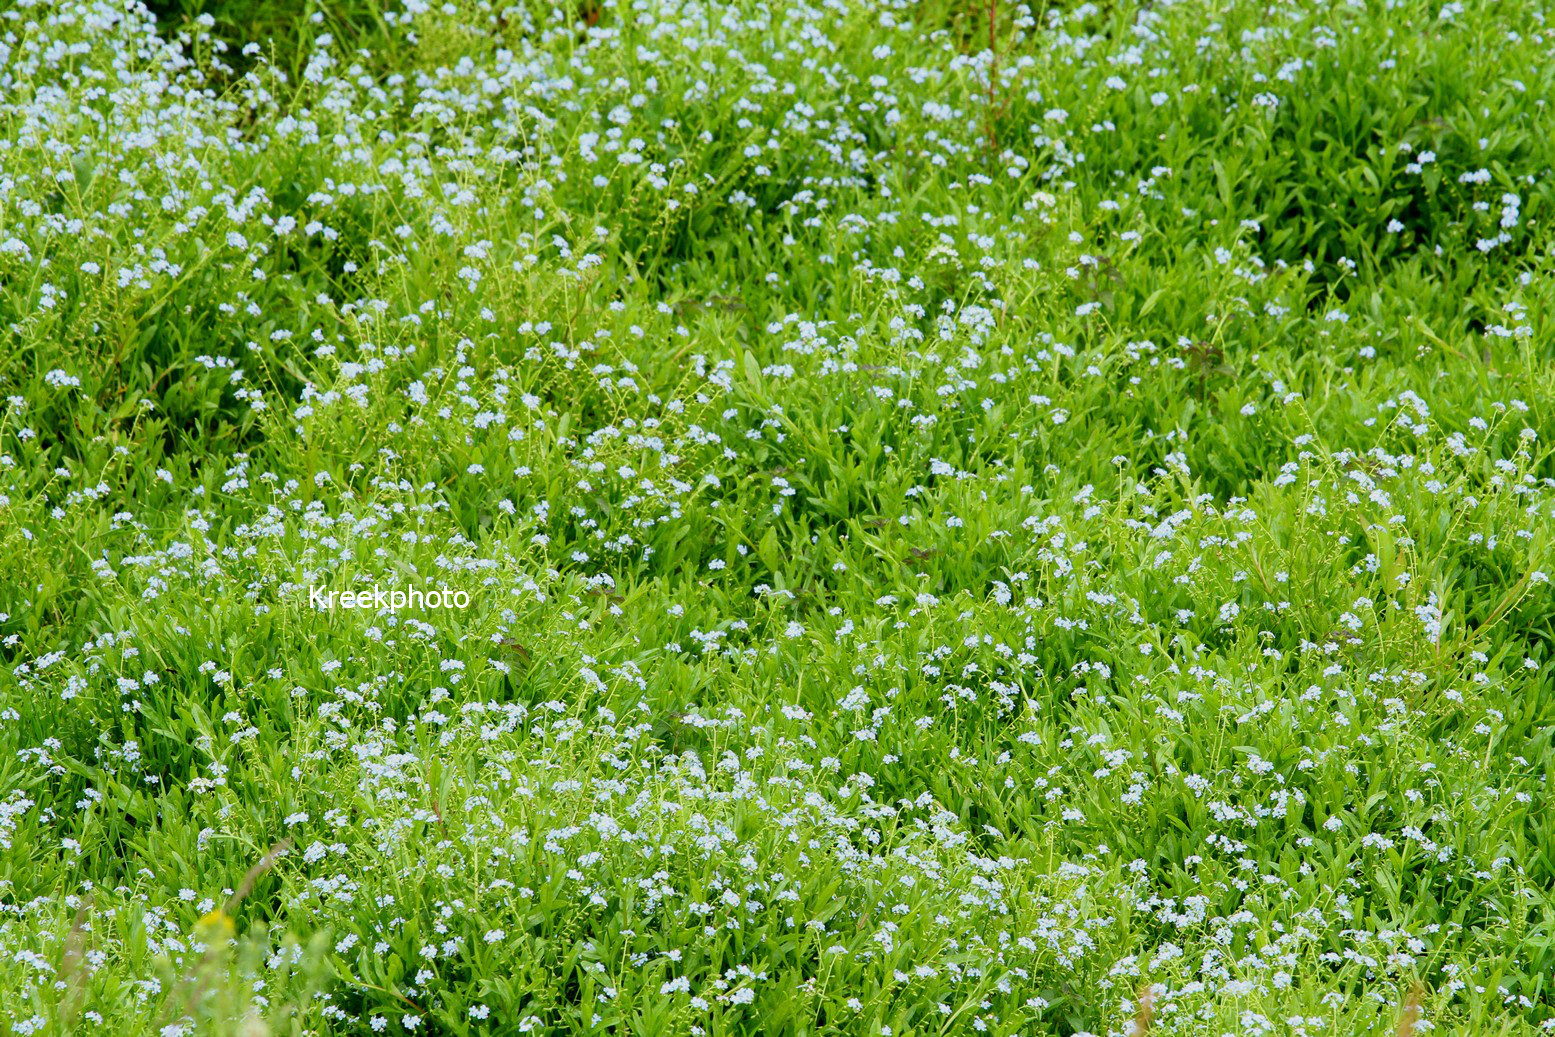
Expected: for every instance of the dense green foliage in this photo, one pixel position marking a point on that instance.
(976, 518)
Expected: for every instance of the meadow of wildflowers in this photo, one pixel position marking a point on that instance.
(974, 518)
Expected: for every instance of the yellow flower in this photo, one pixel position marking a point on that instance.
(217, 923)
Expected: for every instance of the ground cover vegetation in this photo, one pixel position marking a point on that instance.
(992, 518)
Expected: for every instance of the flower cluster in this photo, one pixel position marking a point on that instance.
(996, 520)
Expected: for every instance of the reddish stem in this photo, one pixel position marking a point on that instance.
(993, 70)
